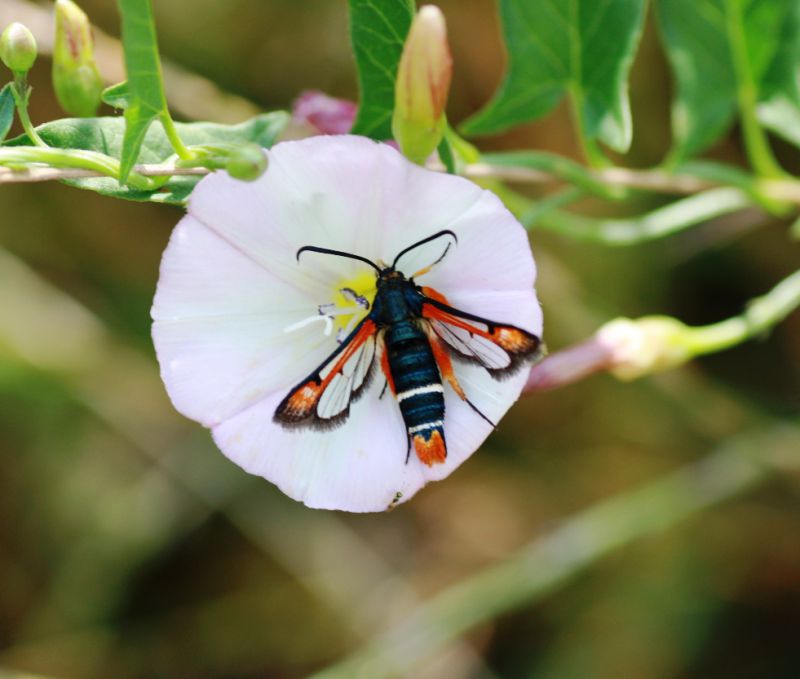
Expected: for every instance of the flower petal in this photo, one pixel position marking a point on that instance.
(219, 326)
(492, 253)
(358, 467)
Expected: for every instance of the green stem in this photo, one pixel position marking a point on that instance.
(761, 314)
(559, 167)
(755, 139)
(74, 158)
(21, 93)
(174, 138)
(550, 203)
(664, 221)
(591, 151)
(551, 561)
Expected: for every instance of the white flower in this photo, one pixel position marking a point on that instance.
(238, 321)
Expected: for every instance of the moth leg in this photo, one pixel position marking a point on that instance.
(442, 356)
(387, 372)
(383, 391)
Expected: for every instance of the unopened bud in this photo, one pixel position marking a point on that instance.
(247, 162)
(423, 82)
(644, 346)
(18, 48)
(76, 79)
(324, 114)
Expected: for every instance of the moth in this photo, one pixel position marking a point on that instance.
(412, 332)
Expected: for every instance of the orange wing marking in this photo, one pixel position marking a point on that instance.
(434, 294)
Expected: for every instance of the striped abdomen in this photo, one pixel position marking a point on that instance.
(418, 389)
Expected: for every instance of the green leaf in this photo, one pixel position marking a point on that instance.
(117, 96)
(781, 116)
(729, 53)
(780, 107)
(106, 135)
(583, 48)
(6, 111)
(378, 30)
(146, 100)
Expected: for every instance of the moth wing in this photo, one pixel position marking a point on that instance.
(324, 397)
(500, 348)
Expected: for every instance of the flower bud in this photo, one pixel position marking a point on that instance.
(76, 79)
(645, 346)
(247, 162)
(323, 114)
(18, 48)
(423, 82)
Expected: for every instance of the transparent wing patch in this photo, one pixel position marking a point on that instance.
(501, 349)
(324, 397)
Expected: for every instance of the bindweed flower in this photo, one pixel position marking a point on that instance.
(239, 321)
(17, 48)
(423, 83)
(76, 80)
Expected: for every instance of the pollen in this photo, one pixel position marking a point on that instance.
(362, 286)
(351, 300)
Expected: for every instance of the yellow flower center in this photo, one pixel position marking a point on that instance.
(351, 301)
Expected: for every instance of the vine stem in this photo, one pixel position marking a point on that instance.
(761, 314)
(755, 140)
(595, 355)
(655, 181)
(552, 560)
(81, 163)
(21, 92)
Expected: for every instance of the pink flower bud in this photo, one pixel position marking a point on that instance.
(327, 115)
(423, 83)
(646, 345)
(76, 80)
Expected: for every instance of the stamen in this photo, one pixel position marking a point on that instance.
(353, 296)
(308, 321)
(329, 313)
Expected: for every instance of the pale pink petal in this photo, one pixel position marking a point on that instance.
(219, 321)
(492, 252)
(464, 429)
(357, 467)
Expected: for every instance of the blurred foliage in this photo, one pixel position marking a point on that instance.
(129, 547)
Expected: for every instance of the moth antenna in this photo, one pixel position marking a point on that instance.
(336, 253)
(445, 232)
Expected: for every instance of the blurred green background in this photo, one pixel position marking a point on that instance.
(129, 547)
